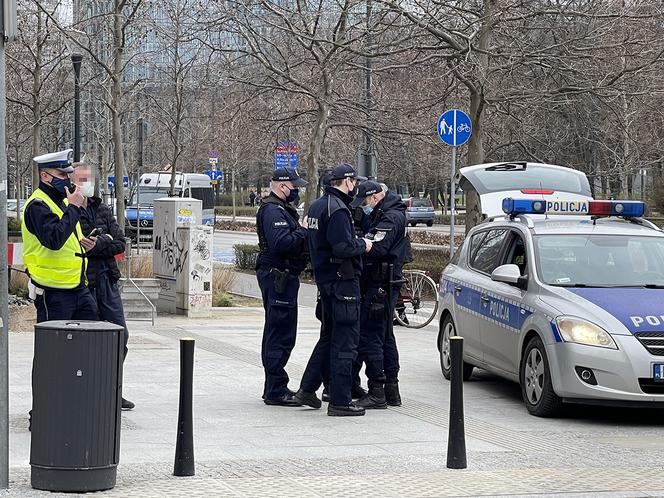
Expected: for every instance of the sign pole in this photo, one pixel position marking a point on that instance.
(452, 201)
(454, 128)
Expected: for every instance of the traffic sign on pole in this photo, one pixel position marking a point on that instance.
(454, 127)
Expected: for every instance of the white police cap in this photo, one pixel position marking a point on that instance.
(56, 160)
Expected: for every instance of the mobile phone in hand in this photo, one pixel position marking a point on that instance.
(95, 232)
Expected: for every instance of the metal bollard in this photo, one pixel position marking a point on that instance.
(456, 441)
(184, 449)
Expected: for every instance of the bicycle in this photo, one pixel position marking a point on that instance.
(417, 304)
(463, 127)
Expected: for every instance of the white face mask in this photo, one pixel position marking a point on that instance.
(87, 189)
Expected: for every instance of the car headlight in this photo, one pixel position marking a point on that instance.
(581, 331)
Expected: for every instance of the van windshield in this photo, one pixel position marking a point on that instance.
(535, 176)
(600, 260)
(148, 195)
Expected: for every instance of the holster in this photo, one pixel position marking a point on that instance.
(280, 279)
(345, 270)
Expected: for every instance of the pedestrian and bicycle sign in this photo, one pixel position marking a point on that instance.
(454, 127)
(111, 181)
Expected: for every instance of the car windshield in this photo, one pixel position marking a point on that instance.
(585, 260)
(148, 195)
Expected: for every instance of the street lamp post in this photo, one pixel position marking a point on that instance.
(76, 61)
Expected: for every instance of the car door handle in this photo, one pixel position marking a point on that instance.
(484, 299)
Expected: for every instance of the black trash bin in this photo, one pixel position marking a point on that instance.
(76, 405)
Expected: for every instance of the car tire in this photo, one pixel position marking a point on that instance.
(446, 331)
(430, 223)
(535, 379)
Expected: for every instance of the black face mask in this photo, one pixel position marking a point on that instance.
(60, 184)
(353, 191)
(293, 195)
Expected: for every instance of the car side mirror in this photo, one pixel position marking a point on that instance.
(126, 202)
(509, 274)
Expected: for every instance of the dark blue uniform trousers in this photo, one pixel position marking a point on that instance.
(372, 332)
(279, 331)
(66, 304)
(109, 303)
(390, 352)
(377, 348)
(336, 350)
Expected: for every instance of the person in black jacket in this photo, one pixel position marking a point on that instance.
(103, 272)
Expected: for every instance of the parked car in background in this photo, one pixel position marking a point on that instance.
(12, 208)
(419, 210)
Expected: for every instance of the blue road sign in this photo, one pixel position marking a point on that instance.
(454, 127)
(111, 181)
(284, 151)
(215, 174)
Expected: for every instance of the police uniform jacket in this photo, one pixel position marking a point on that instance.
(332, 239)
(387, 229)
(51, 231)
(282, 240)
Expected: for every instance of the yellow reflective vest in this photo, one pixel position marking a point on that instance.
(61, 269)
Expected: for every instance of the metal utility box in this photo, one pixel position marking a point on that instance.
(182, 257)
(77, 398)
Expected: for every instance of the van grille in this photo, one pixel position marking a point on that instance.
(652, 341)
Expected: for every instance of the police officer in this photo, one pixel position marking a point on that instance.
(336, 259)
(54, 248)
(283, 247)
(386, 224)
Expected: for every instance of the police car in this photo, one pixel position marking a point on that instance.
(564, 297)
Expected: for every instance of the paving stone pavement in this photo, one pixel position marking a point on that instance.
(244, 448)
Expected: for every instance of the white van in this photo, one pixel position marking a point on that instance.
(153, 186)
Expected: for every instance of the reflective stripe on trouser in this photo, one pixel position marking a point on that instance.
(337, 347)
(279, 331)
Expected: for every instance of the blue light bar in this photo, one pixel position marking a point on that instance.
(626, 209)
(523, 206)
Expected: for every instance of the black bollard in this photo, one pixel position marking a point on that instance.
(456, 441)
(184, 449)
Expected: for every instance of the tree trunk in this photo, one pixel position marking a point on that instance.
(476, 88)
(314, 153)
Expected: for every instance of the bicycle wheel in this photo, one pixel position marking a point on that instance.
(420, 300)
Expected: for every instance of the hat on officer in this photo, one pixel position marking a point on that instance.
(61, 161)
(288, 174)
(345, 171)
(365, 190)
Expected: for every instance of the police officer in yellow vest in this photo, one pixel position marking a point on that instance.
(53, 245)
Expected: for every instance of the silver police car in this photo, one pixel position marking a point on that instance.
(564, 297)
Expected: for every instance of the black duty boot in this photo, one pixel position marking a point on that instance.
(307, 399)
(375, 398)
(392, 395)
(351, 410)
(357, 392)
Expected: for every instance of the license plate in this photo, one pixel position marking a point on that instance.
(658, 372)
